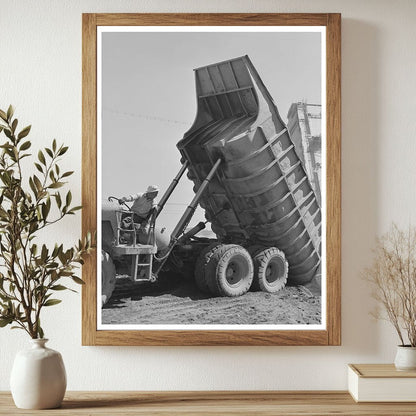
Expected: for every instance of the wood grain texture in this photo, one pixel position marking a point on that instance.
(89, 172)
(212, 19)
(380, 371)
(212, 403)
(333, 199)
(330, 336)
(212, 338)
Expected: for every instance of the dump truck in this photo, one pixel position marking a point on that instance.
(252, 185)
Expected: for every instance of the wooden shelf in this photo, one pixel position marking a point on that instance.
(318, 403)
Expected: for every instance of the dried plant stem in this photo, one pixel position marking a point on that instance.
(393, 276)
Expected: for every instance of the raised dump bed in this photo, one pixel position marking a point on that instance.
(260, 195)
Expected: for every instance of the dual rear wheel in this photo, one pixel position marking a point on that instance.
(271, 270)
(231, 270)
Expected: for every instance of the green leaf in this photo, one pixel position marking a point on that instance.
(62, 257)
(59, 287)
(44, 253)
(5, 321)
(39, 167)
(55, 251)
(56, 185)
(37, 183)
(45, 211)
(24, 132)
(51, 302)
(49, 151)
(33, 227)
(10, 112)
(77, 208)
(63, 150)
(54, 145)
(41, 157)
(33, 187)
(34, 249)
(68, 198)
(3, 115)
(40, 332)
(25, 145)
(8, 133)
(14, 125)
(58, 199)
(4, 298)
(67, 174)
(76, 279)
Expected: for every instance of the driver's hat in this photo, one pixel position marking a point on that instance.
(151, 189)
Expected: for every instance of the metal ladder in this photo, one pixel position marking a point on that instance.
(142, 254)
(142, 261)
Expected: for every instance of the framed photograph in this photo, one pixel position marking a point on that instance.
(211, 172)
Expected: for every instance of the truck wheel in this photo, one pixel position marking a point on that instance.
(271, 270)
(233, 270)
(201, 265)
(108, 277)
(211, 267)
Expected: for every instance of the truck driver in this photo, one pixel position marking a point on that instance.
(143, 204)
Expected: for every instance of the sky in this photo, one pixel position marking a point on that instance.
(148, 98)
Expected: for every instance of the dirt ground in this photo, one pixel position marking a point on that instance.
(175, 301)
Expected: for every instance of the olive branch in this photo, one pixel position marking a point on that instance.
(30, 274)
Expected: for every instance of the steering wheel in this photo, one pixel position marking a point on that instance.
(120, 201)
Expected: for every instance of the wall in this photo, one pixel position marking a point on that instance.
(40, 73)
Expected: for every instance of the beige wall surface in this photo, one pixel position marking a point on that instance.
(40, 73)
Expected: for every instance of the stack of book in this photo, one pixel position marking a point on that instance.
(381, 383)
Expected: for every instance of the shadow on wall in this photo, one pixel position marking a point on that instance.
(360, 180)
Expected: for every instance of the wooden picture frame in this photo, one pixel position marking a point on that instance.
(331, 334)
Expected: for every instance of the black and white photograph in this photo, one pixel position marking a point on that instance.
(211, 176)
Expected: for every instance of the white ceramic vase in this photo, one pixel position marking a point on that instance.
(405, 358)
(38, 378)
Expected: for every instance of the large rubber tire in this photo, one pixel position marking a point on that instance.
(270, 270)
(108, 277)
(211, 267)
(230, 270)
(108, 238)
(201, 266)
